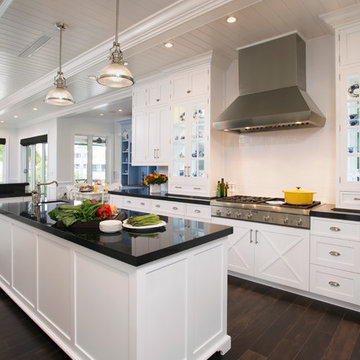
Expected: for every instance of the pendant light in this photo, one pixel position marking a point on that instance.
(116, 75)
(59, 96)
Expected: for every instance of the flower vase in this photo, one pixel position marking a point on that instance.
(155, 189)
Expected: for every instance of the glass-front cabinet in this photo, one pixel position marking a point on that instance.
(190, 143)
(352, 145)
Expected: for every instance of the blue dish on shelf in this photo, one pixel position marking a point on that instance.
(354, 122)
(354, 90)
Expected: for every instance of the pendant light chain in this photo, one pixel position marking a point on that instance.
(60, 52)
(117, 23)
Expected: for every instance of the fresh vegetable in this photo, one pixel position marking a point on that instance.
(69, 214)
(113, 209)
(104, 211)
(144, 220)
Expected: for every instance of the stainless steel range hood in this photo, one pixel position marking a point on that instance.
(272, 83)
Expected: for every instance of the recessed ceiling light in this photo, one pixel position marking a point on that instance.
(231, 19)
(119, 110)
(35, 108)
(2, 121)
(92, 77)
(101, 114)
(16, 116)
(168, 44)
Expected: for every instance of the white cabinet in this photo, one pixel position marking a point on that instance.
(158, 129)
(151, 123)
(347, 114)
(335, 259)
(273, 253)
(187, 84)
(188, 169)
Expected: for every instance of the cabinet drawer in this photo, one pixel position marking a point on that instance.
(337, 228)
(136, 203)
(198, 211)
(116, 200)
(335, 253)
(350, 199)
(194, 190)
(167, 207)
(336, 284)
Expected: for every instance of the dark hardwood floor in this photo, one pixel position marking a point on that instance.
(264, 324)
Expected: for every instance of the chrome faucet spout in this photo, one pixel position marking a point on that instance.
(36, 194)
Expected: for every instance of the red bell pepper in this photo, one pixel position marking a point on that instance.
(104, 211)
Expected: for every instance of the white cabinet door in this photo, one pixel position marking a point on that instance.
(140, 139)
(180, 86)
(140, 97)
(159, 93)
(241, 245)
(282, 255)
(159, 138)
(199, 82)
(349, 45)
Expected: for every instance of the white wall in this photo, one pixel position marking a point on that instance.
(266, 163)
(66, 130)
(11, 159)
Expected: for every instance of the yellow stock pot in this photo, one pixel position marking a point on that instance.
(298, 196)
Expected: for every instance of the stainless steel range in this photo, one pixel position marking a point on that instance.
(263, 210)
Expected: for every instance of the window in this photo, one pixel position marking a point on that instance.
(2, 159)
(90, 154)
(36, 160)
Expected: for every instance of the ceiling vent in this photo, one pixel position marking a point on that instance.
(35, 46)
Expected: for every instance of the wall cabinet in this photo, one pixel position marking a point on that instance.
(269, 252)
(347, 116)
(151, 124)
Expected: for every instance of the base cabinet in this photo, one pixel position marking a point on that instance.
(98, 308)
(269, 252)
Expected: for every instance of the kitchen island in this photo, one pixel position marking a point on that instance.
(121, 296)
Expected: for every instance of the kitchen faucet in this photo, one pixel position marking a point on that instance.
(36, 194)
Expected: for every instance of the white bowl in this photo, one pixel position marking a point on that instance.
(110, 226)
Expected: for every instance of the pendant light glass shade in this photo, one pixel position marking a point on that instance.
(116, 75)
(59, 96)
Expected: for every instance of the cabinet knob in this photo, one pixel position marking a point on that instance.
(197, 211)
(157, 205)
(178, 187)
(142, 203)
(175, 208)
(129, 202)
(334, 253)
(188, 92)
(157, 100)
(334, 228)
(334, 283)
(197, 188)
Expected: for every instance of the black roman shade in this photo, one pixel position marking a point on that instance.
(2, 141)
(34, 140)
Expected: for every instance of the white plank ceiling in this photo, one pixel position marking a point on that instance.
(91, 22)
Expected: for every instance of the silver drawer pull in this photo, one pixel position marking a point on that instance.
(197, 211)
(175, 208)
(188, 91)
(178, 187)
(157, 100)
(197, 188)
(334, 228)
(356, 199)
(142, 203)
(334, 253)
(129, 202)
(334, 283)
(157, 205)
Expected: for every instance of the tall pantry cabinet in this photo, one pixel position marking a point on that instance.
(347, 38)
(176, 111)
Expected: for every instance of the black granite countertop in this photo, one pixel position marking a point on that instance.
(135, 249)
(144, 192)
(331, 212)
(14, 195)
(13, 189)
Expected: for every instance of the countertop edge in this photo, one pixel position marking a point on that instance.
(164, 197)
(128, 259)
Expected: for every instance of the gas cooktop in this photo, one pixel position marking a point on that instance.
(263, 209)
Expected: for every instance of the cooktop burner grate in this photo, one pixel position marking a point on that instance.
(243, 199)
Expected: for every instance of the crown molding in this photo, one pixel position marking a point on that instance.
(342, 17)
(168, 18)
